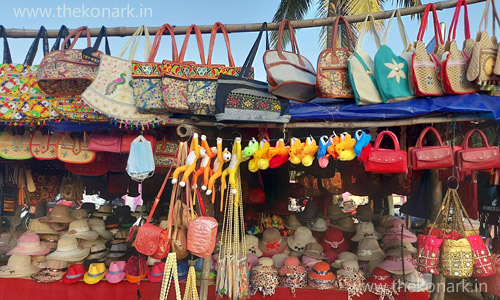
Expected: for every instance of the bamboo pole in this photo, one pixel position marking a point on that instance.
(249, 27)
(438, 281)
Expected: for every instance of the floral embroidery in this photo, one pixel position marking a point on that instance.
(396, 70)
(333, 79)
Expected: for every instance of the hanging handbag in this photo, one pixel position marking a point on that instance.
(75, 109)
(15, 144)
(484, 53)
(202, 236)
(332, 80)
(141, 162)
(478, 158)
(454, 71)
(128, 139)
(80, 66)
(362, 68)
(111, 93)
(97, 167)
(431, 157)
(239, 98)
(289, 74)
(74, 150)
(386, 160)
(490, 284)
(170, 275)
(393, 71)
(147, 77)
(202, 84)
(426, 67)
(44, 146)
(191, 293)
(105, 143)
(165, 153)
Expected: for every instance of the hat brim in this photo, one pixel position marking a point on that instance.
(337, 216)
(104, 234)
(67, 280)
(47, 276)
(317, 229)
(153, 278)
(391, 238)
(101, 214)
(315, 255)
(327, 277)
(135, 279)
(98, 255)
(359, 236)
(292, 227)
(90, 235)
(49, 219)
(369, 217)
(266, 253)
(373, 256)
(92, 280)
(115, 278)
(291, 243)
(43, 249)
(12, 272)
(74, 255)
(43, 231)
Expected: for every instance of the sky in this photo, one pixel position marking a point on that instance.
(133, 13)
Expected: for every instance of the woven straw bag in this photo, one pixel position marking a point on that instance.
(426, 67)
(170, 275)
(44, 146)
(15, 146)
(74, 150)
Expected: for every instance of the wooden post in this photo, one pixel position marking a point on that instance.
(438, 281)
(205, 277)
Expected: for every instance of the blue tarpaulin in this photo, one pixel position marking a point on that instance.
(332, 109)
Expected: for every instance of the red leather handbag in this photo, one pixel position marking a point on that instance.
(105, 143)
(128, 139)
(431, 157)
(480, 158)
(97, 167)
(387, 160)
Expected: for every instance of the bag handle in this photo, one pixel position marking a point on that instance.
(391, 135)
(293, 42)
(157, 40)
(484, 18)
(424, 132)
(63, 33)
(423, 26)
(102, 34)
(170, 274)
(75, 34)
(212, 42)
(134, 41)
(470, 133)
(373, 31)
(30, 56)
(158, 196)
(7, 58)
(454, 21)
(245, 70)
(402, 31)
(335, 34)
(199, 40)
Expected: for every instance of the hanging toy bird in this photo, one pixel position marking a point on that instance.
(113, 85)
(190, 165)
(363, 146)
(278, 155)
(334, 140)
(345, 148)
(260, 160)
(253, 146)
(322, 155)
(309, 151)
(295, 151)
(205, 163)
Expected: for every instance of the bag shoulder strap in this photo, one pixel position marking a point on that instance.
(30, 57)
(102, 34)
(335, 33)
(157, 40)
(199, 40)
(245, 70)
(134, 41)
(213, 34)
(454, 21)
(423, 25)
(63, 33)
(7, 58)
(371, 26)
(402, 31)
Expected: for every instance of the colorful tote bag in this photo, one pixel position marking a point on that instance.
(456, 61)
(111, 93)
(166, 153)
(332, 77)
(202, 84)
(44, 146)
(176, 75)
(393, 71)
(147, 78)
(74, 150)
(362, 69)
(426, 67)
(15, 144)
(75, 109)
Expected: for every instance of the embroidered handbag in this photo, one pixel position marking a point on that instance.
(361, 68)
(484, 52)
(15, 144)
(392, 71)
(147, 77)
(79, 72)
(105, 143)
(289, 74)
(141, 162)
(165, 153)
(77, 110)
(202, 84)
(426, 67)
(431, 157)
(97, 167)
(111, 93)
(202, 236)
(385, 160)
(490, 284)
(428, 251)
(454, 69)
(332, 80)
(128, 139)
(479, 158)
(44, 146)
(239, 98)
(74, 150)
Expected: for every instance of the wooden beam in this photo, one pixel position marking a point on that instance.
(250, 27)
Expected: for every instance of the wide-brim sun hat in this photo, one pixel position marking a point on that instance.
(58, 214)
(69, 250)
(99, 226)
(80, 229)
(54, 271)
(18, 266)
(272, 242)
(365, 229)
(35, 226)
(29, 244)
(393, 264)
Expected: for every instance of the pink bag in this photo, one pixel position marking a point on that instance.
(483, 266)
(492, 283)
(428, 253)
(202, 236)
(105, 143)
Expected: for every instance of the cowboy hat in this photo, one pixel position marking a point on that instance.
(300, 238)
(18, 266)
(115, 273)
(96, 272)
(69, 250)
(53, 271)
(58, 214)
(29, 244)
(74, 274)
(80, 229)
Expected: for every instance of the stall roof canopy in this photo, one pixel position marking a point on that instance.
(333, 109)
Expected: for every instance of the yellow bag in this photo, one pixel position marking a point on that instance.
(74, 150)
(15, 146)
(457, 259)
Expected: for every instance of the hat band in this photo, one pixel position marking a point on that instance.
(159, 274)
(364, 252)
(119, 239)
(117, 251)
(66, 248)
(97, 252)
(273, 245)
(321, 272)
(334, 245)
(78, 230)
(56, 270)
(74, 276)
(25, 246)
(298, 249)
(379, 277)
(115, 272)
(95, 275)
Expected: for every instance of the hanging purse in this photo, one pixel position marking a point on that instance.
(44, 146)
(289, 74)
(202, 236)
(80, 66)
(332, 80)
(105, 143)
(97, 167)
(74, 150)
(170, 274)
(478, 158)
(202, 84)
(386, 160)
(75, 109)
(15, 144)
(191, 293)
(392, 71)
(431, 157)
(361, 68)
(426, 67)
(141, 163)
(165, 153)
(454, 71)
(239, 98)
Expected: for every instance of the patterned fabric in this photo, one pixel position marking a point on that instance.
(47, 187)
(165, 154)
(457, 259)
(44, 146)
(77, 110)
(353, 282)
(201, 96)
(74, 151)
(426, 71)
(18, 82)
(293, 279)
(264, 279)
(174, 86)
(333, 78)
(483, 265)
(428, 254)
(15, 146)
(147, 86)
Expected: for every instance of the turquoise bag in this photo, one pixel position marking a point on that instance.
(392, 71)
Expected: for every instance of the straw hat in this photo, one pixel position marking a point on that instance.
(345, 224)
(320, 277)
(343, 257)
(315, 250)
(98, 251)
(310, 213)
(58, 214)
(300, 238)
(393, 264)
(349, 267)
(115, 273)
(319, 225)
(95, 273)
(253, 245)
(29, 244)
(79, 214)
(38, 261)
(369, 249)
(103, 211)
(272, 242)
(74, 274)
(365, 213)
(50, 240)
(18, 266)
(334, 212)
(35, 226)
(99, 226)
(119, 237)
(53, 271)
(292, 222)
(334, 240)
(394, 249)
(68, 250)
(156, 272)
(80, 229)
(365, 229)
(61, 228)
(90, 244)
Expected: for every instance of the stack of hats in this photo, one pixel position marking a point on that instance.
(29, 244)
(69, 250)
(54, 271)
(104, 211)
(394, 229)
(351, 278)
(398, 257)
(272, 242)
(47, 234)
(264, 277)
(298, 241)
(334, 240)
(58, 218)
(320, 277)
(18, 266)
(343, 257)
(292, 275)
(370, 253)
